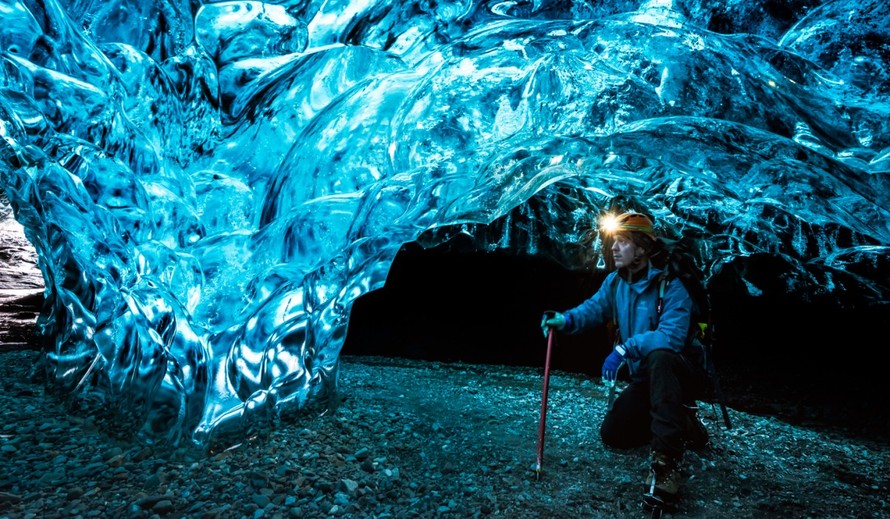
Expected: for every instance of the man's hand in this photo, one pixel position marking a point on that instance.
(612, 363)
(552, 320)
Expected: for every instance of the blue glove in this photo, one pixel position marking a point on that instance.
(613, 363)
(552, 320)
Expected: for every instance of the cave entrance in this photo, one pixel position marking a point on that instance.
(454, 304)
(21, 284)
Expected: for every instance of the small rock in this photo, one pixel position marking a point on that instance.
(164, 506)
(348, 485)
(261, 500)
(362, 454)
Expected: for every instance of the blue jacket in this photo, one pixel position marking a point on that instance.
(642, 331)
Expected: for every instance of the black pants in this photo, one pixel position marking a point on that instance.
(653, 410)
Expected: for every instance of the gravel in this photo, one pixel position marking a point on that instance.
(421, 439)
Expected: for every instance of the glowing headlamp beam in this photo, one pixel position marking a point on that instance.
(609, 223)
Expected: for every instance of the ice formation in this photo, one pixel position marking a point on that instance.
(210, 186)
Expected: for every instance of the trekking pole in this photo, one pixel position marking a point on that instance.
(613, 390)
(541, 424)
(721, 400)
(715, 377)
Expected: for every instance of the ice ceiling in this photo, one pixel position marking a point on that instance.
(210, 187)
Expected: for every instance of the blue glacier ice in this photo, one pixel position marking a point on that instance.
(210, 186)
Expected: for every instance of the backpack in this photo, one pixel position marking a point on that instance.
(681, 265)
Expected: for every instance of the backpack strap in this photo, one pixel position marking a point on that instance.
(663, 281)
(702, 327)
(616, 332)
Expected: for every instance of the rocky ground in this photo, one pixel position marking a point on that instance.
(424, 439)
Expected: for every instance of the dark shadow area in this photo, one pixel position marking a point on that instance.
(807, 363)
(474, 307)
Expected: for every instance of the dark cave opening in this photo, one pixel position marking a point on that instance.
(451, 304)
(473, 307)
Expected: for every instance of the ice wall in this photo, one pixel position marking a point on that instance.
(209, 187)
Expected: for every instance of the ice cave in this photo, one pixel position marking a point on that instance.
(219, 192)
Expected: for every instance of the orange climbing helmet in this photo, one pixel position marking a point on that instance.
(626, 223)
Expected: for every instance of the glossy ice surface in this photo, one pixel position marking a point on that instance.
(209, 187)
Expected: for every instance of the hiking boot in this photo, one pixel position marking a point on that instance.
(663, 481)
(697, 438)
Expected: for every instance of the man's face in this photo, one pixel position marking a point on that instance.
(624, 251)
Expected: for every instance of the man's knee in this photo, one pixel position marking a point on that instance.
(624, 433)
(609, 434)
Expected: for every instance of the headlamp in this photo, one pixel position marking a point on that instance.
(611, 224)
